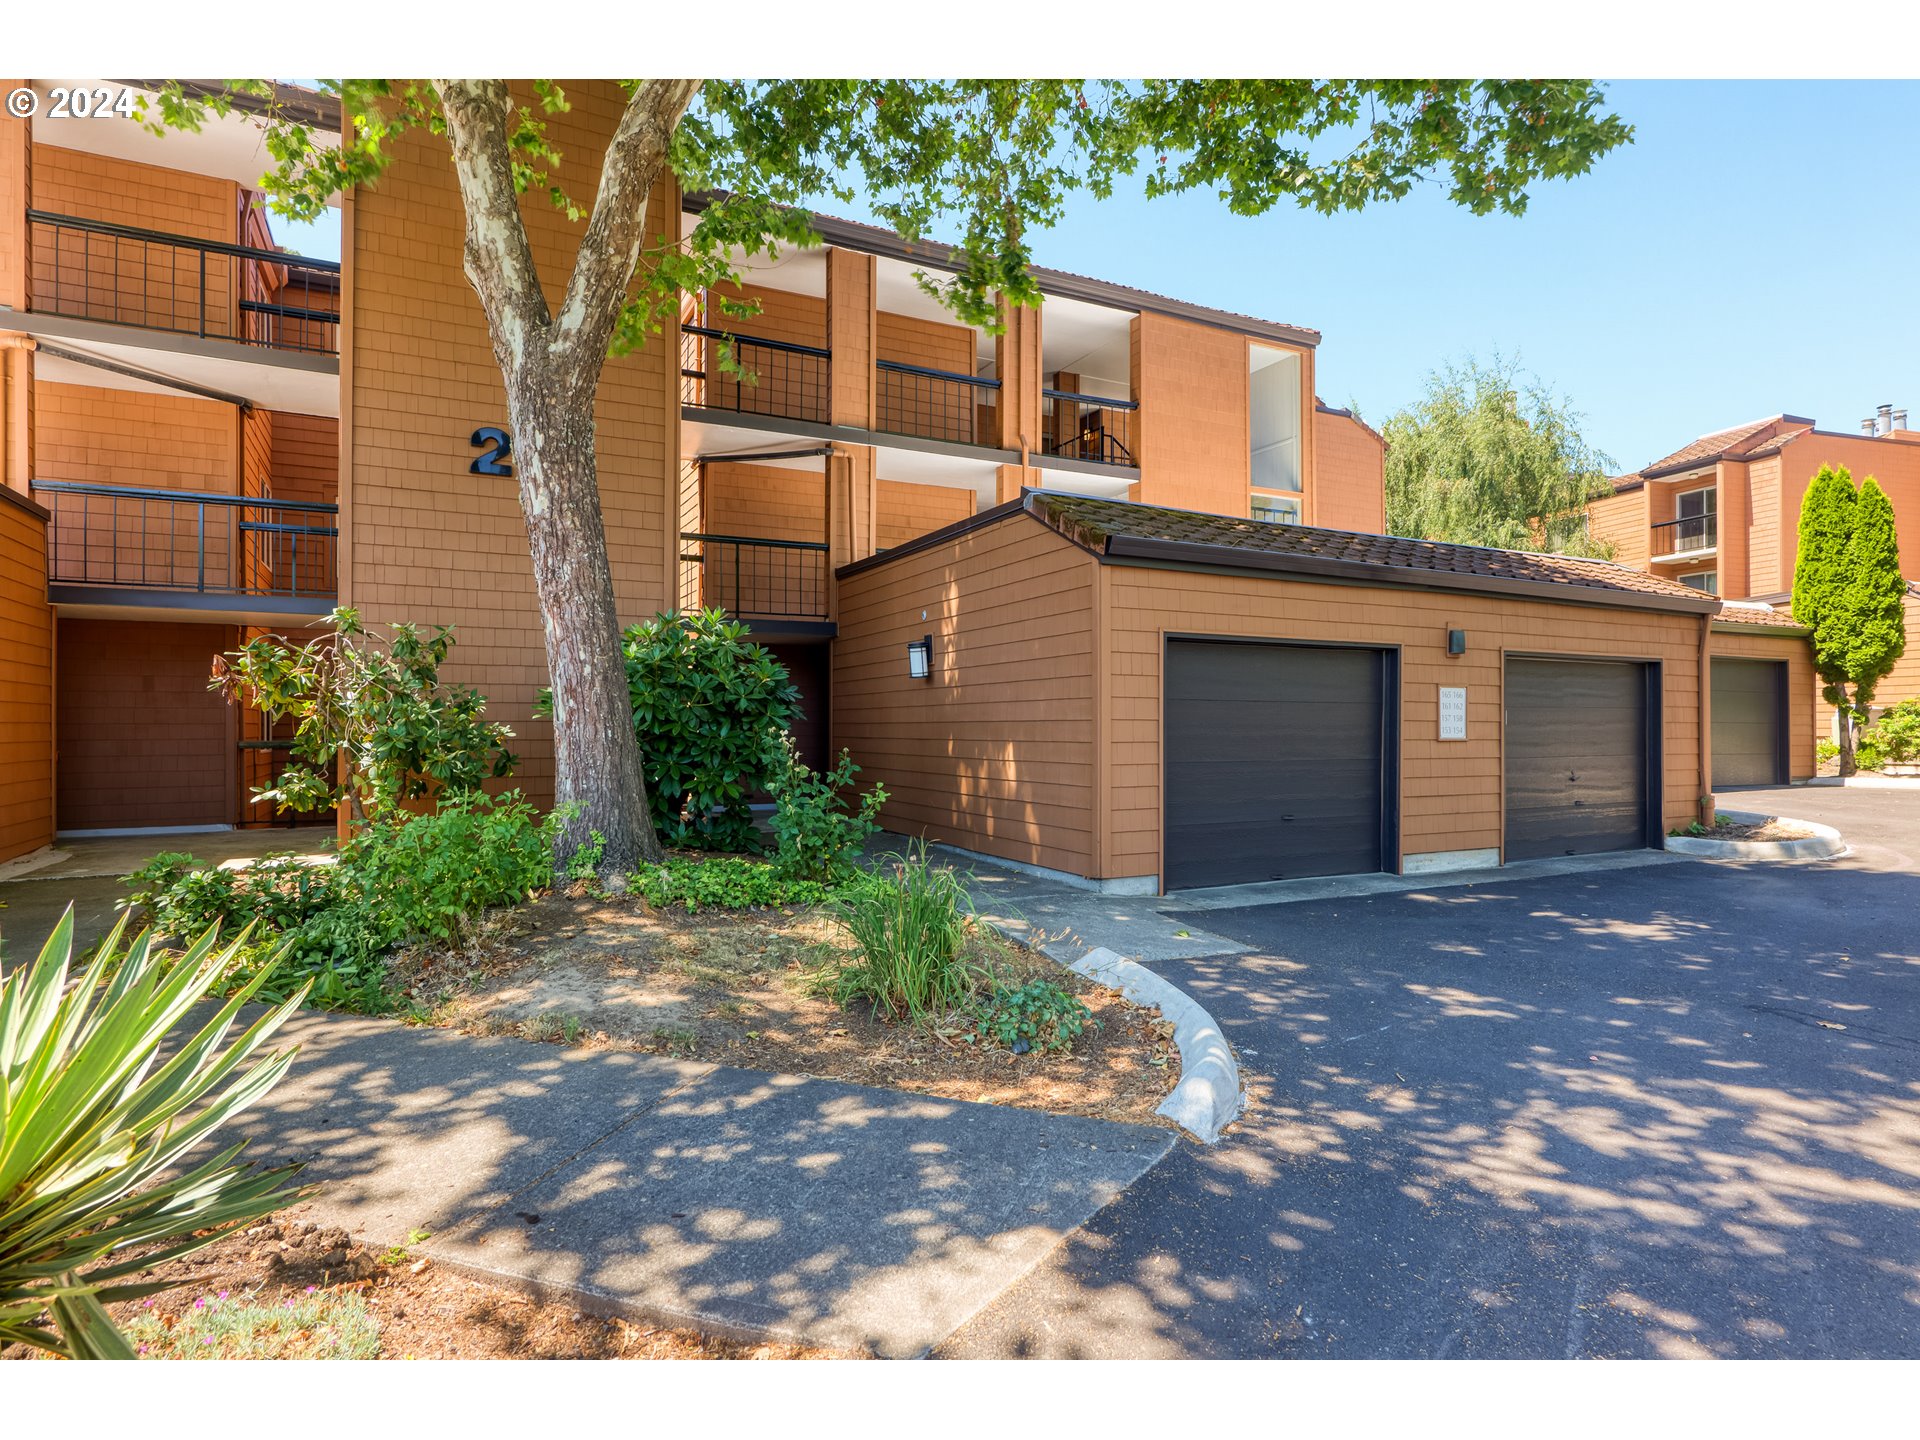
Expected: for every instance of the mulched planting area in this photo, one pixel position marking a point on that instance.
(733, 987)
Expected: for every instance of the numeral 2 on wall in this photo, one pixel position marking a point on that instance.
(498, 447)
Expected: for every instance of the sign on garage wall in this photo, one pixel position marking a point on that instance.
(1453, 712)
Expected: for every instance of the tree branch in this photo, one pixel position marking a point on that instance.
(499, 260)
(611, 247)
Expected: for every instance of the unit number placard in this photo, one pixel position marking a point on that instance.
(1453, 712)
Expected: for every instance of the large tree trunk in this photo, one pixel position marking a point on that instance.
(552, 369)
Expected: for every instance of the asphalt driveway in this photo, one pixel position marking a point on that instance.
(1671, 1111)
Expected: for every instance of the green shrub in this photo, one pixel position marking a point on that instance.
(1894, 738)
(723, 882)
(94, 1131)
(1825, 750)
(377, 703)
(910, 924)
(1867, 754)
(709, 707)
(817, 835)
(329, 927)
(1039, 1015)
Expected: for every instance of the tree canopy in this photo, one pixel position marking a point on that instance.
(1489, 456)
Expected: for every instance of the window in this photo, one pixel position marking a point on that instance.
(1276, 509)
(1706, 580)
(1273, 418)
(1692, 504)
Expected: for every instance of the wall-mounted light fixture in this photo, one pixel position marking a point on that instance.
(920, 658)
(1456, 642)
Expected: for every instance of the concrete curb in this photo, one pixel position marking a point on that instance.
(1823, 844)
(1208, 1096)
(1869, 782)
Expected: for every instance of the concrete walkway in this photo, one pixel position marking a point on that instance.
(733, 1200)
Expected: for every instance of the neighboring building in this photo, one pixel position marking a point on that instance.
(1078, 513)
(1722, 514)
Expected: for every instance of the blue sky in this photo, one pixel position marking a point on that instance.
(1751, 252)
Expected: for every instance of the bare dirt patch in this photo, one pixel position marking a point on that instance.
(409, 1308)
(732, 987)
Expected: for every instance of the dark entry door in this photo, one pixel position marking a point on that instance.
(1274, 762)
(1747, 700)
(1576, 757)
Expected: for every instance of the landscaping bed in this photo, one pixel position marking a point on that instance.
(738, 988)
(290, 1289)
(1772, 828)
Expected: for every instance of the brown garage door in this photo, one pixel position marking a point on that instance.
(1748, 696)
(1576, 757)
(1277, 762)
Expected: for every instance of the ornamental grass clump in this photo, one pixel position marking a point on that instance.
(96, 1127)
(910, 924)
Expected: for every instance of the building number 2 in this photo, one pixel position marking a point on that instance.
(496, 446)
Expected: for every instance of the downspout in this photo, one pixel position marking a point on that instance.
(1705, 711)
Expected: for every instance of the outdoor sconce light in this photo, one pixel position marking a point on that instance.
(1456, 642)
(920, 658)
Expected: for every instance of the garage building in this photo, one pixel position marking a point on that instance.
(1157, 699)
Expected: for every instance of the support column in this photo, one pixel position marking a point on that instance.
(16, 276)
(851, 325)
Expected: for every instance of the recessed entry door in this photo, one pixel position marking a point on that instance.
(1275, 762)
(1748, 698)
(1576, 757)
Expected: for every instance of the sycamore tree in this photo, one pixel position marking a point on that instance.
(1489, 456)
(993, 160)
(1848, 590)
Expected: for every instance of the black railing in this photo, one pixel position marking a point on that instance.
(754, 579)
(1089, 427)
(188, 540)
(776, 377)
(935, 404)
(93, 270)
(1687, 534)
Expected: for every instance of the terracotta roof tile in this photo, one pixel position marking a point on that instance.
(1095, 522)
(1722, 444)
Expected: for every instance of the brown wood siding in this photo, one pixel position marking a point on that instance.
(1803, 689)
(996, 752)
(1348, 483)
(908, 511)
(306, 458)
(424, 539)
(142, 740)
(26, 683)
(1191, 381)
(766, 502)
(1450, 790)
(1763, 539)
(1622, 520)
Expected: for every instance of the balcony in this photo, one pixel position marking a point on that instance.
(1093, 429)
(119, 275)
(935, 404)
(240, 552)
(772, 377)
(1692, 537)
(754, 580)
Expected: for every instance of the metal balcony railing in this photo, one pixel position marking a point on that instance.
(777, 378)
(1093, 428)
(935, 404)
(1686, 535)
(754, 579)
(187, 540)
(93, 270)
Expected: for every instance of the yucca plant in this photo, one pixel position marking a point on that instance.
(95, 1120)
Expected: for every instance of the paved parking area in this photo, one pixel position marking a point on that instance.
(1669, 1111)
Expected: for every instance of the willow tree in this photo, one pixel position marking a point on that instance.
(992, 159)
(1491, 456)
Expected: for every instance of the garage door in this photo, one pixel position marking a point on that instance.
(1747, 700)
(1576, 758)
(1275, 762)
